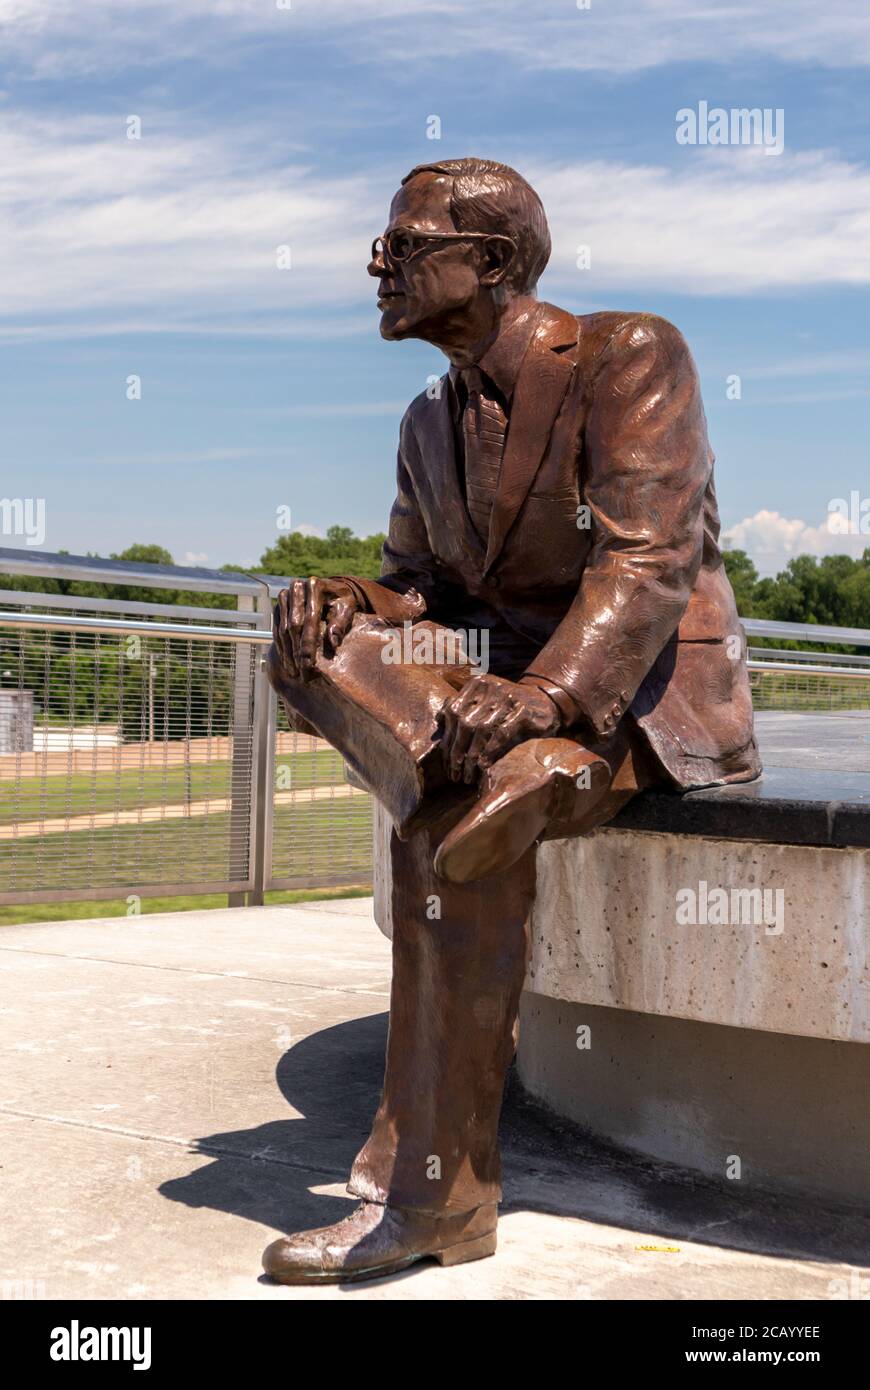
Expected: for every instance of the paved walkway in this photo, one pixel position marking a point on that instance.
(178, 1089)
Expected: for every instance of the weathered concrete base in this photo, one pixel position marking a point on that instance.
(794, 1112)
(610, 926)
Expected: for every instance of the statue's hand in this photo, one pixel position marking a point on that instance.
(298, 614)
(489, 716)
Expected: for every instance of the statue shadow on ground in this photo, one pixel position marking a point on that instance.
(332, 1078)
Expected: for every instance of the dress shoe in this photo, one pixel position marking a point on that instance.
(539, 781)
(376, 1240)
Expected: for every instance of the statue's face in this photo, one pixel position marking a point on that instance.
(417, 297)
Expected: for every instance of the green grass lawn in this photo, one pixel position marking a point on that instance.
(102, 791)
(322, 839)
(117, 907)
(801, 690)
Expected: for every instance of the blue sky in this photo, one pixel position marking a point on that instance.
(262, 127)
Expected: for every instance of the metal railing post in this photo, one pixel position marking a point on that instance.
(263, 760)
(242, 840)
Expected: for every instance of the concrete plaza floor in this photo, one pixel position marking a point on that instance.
(178, 1089)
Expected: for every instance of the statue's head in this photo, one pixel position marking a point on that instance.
(464, 235)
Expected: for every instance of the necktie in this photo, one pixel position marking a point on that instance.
(484, 427)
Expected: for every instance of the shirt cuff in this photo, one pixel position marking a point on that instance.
(561, 699)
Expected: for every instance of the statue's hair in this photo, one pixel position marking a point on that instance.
(490, 197)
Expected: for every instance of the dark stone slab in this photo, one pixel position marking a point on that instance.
(815, 789)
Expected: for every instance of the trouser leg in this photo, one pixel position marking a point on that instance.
(459, 960)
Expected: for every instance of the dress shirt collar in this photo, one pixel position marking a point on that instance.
(501, 361)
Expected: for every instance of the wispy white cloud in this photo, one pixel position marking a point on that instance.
(50, 38)
(175, 458)
(182, 228)
(267, 326)
(629, 35)
(816, 364)
(731, 224)
(180, 232)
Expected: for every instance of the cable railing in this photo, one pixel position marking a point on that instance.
(143, 752)
(808, 681)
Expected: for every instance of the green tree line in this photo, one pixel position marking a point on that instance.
(833, 591)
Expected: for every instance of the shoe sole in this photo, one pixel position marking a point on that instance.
(458, 1254)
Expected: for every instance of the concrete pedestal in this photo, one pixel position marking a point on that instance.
(763, 1110)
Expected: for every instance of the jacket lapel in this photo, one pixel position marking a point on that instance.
(540, 389)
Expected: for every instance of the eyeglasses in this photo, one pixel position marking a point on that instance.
(402, 243)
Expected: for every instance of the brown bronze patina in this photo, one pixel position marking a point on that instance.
(555, 492)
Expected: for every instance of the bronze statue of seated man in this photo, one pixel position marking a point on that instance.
(556, 493)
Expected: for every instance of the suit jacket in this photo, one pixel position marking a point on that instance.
(602, 575)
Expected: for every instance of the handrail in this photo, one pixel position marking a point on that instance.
(810, 632)
(79, 603)
(61, 622)
(797, 657)
(793, 667)
(42, 564)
